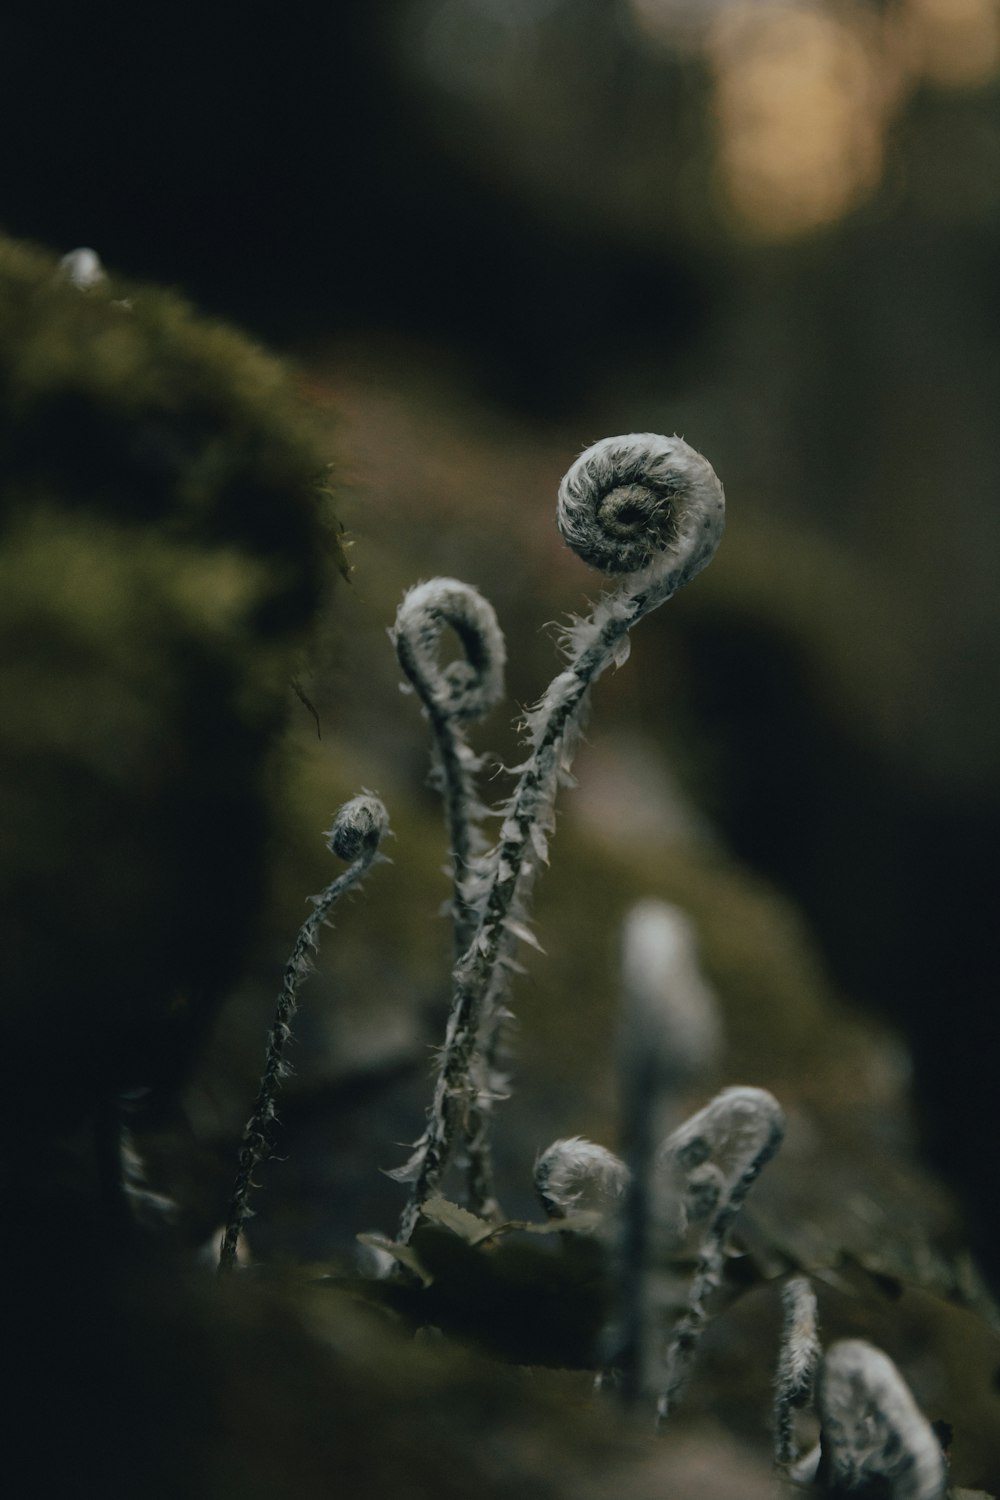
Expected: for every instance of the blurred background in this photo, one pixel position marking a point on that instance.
(491, 231)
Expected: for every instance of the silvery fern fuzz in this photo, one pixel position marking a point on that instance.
(649, 511)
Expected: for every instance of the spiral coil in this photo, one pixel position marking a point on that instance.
(640, 499)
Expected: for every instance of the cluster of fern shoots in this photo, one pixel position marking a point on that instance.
(648, 511)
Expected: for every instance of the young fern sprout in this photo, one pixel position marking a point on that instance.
(669, 1033)
(643, 506)
(712, 1161)
(452, 696)
(795, 1378)
(576, 1176)
(873, 1433)
(355, 836)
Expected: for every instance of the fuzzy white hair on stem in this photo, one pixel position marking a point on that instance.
(358, 829)
(453, 695)
(798, 1359)
(675, 531)
(872, 1429)
(736, 1134)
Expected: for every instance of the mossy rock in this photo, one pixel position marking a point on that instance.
(164, 551)
(121, 401)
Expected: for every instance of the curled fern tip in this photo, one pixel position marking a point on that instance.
(360, 823)
(641, 498)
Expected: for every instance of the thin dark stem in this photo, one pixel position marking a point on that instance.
(256, 1146)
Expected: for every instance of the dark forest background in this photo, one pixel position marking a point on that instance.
(489, 233)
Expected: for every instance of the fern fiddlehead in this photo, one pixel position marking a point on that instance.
(649, 510)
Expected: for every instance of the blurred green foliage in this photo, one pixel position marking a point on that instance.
(162, 553)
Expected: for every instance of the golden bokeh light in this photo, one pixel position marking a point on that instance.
(799, 109)
(954, 43)
(805, 89)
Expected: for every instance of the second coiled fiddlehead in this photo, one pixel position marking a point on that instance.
(651, 511)
(453, 695)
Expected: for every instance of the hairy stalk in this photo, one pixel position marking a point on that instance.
(653, 509)
(452, 696)
(487, 1086)
(873, 1433)
(795, 1378)
(726, 1145)
(355, 836)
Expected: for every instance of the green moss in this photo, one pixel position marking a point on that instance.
(163, 552)
(122, 401)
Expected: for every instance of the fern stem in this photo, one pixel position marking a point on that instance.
(356, 833)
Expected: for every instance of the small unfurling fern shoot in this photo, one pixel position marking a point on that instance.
(357, 831)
